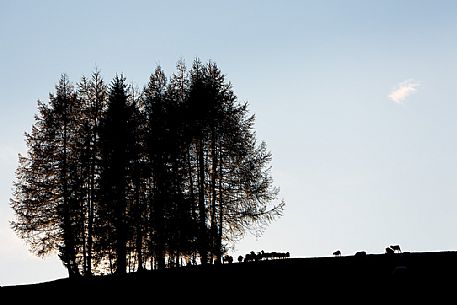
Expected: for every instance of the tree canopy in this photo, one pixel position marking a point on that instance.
(117, 180)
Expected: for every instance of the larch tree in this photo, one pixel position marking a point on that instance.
(138, 181)
(117, 152)
(44, 200)
(155, 143)
(235, 186)
(181, 219)
(93, 96)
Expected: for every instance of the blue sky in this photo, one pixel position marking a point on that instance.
(357, 100)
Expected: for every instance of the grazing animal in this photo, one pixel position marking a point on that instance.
(250, 257)
(228, 259)
(395, 248)
(389, 250)
(360, 254)
(337, 253)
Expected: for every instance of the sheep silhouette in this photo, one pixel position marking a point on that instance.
(227, 259)
(360, 254)
(389, 251)
(395, 248)
(337, 253)
(252, 256)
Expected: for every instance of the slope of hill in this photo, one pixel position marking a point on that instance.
(324, 277)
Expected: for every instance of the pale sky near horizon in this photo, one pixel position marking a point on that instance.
(357, 100)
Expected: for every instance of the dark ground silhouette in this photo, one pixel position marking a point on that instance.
(372, 277)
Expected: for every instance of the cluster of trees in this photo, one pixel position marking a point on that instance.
(117, 179)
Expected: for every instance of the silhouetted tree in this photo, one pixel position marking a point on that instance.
(93, 95)
(117, 147)
(244, 187)
(47, 212)
(155, 143)
(234, 182)
(197, 125)
(138, 179)
(181, 220)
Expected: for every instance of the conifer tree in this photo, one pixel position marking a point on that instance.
(45, 193)
(117, 149)
(155, 143)
(93, 96)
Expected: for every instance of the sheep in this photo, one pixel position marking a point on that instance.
(227, 258)
(282, 255)
(395, 248)
(337, 253)
(278, 255)
(249, 257)
(262, 255)
(389, 251)
(360, 254)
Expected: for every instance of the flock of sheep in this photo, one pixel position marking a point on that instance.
(389, 250)
(252, 256)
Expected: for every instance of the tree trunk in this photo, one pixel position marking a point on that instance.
(203, 243)
(215, 252)
(69, 247)
(90, 220)
(121, 239)
(159, 217)
(221, 206)
(139, 229)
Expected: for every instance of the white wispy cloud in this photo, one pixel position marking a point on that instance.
(403, 90)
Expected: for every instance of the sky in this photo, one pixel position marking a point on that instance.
(356, 100)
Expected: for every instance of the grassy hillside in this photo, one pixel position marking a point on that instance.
(375, 275)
